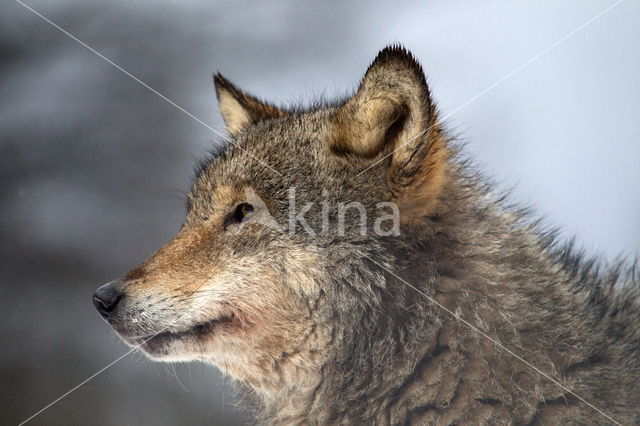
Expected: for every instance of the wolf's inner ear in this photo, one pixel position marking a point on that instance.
(391, 115)
(240, 109)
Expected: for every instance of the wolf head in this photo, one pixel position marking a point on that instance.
(271, 265)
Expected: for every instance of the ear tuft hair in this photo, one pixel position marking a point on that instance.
(398, 55)
(239, 109)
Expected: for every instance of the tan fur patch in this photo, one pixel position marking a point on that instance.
(239, 109)
(235, 116)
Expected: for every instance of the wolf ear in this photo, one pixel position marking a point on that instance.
(392, 120)
(239, 109)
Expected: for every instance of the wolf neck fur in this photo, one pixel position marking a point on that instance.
(407, 358)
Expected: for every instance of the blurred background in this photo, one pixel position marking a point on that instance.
(94, 167)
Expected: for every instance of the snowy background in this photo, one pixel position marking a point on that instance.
(93, 166)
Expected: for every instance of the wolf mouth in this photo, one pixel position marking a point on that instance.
(197, 331)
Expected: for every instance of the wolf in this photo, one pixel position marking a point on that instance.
(457, 309)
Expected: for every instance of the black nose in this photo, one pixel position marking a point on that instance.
(107, 296)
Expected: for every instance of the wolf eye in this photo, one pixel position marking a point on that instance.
(242, 213)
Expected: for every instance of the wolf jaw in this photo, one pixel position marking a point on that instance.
(163, 344)
(321, 333)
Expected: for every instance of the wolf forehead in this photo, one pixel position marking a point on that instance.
(273, 147)
(382, 143)
(275, 155)
(269, 156)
